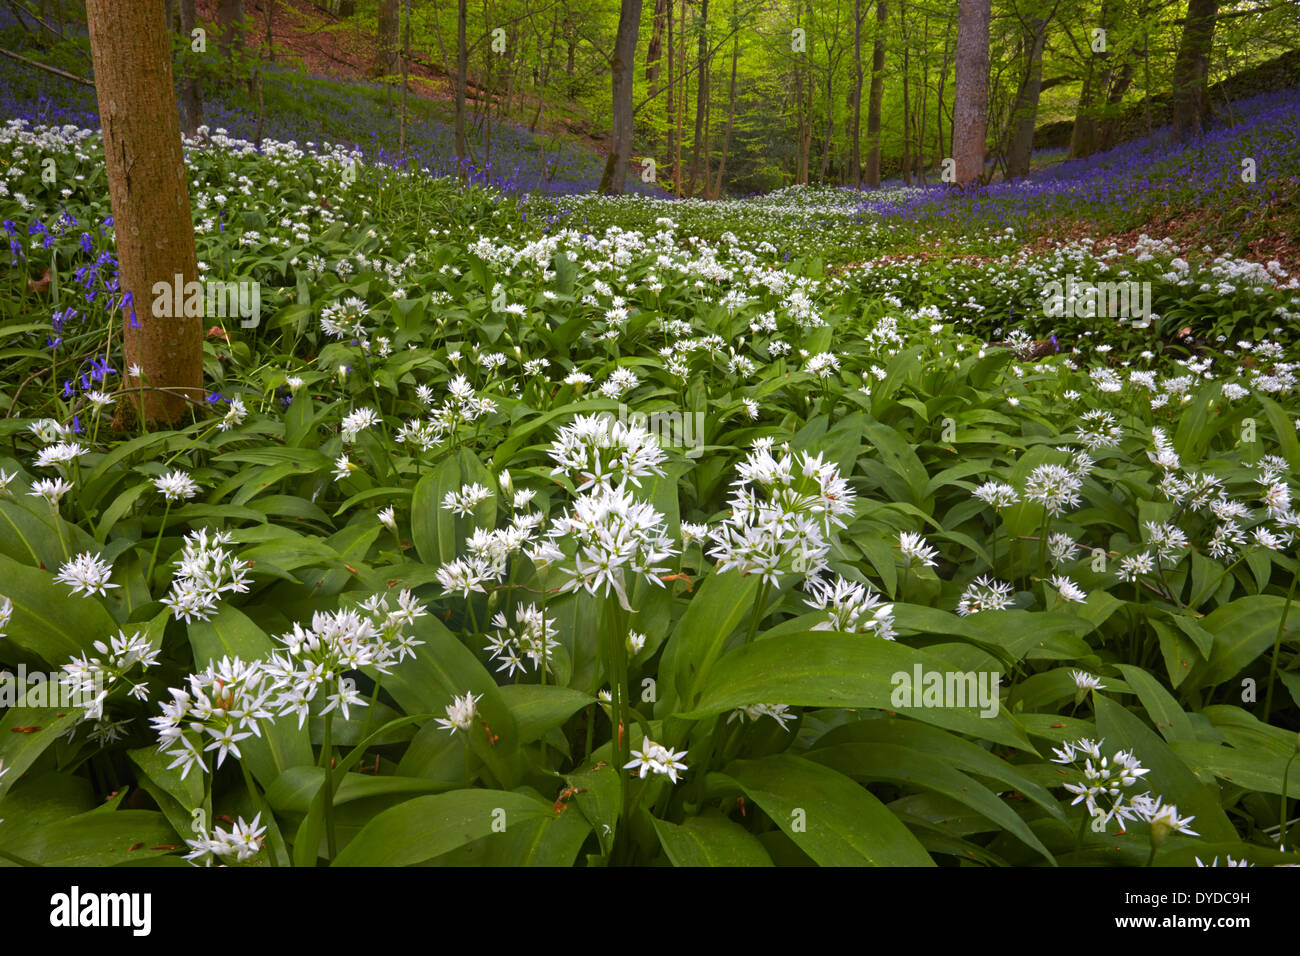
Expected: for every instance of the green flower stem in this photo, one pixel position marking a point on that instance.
(153, 558)
(1281, 842)
(759, 607)
(1277, 647)
(260, 802)
(327, 761)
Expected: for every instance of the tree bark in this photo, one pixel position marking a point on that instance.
(191, 90)
(149, 193)
(230, 29)
(612, 181)
(385, 62)
(1191, 98)
(876, 97)
(855, 101)
(1024, 115)
(701, 96)
(971, 90)
(731, 106)
(462, 70)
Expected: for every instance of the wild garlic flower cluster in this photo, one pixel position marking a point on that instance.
(223, 705)
(86, 574)
(784, 512)
(460, 713)
(531, 639)
(611, 533)
(370, 635)
(462, 406)
(597, 449)
(984, 594)
(95, 678)
(205, 571)
(242, 842)
(656, 758)
(1106, 785)
(851, 608)
(778, 712)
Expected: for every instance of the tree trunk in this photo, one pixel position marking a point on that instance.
(230, 29)
(681, 99)
(385, 62)
(154, 232)
(971, 90)
(406, 65)
(1083, 137)
(671, 105)
(731, 106)
(462, 71)
(943, 77)
(701, 96)
(652, 54)
(801, 173)
(612, 181)
(876, 97)
(855, 101)
(1191, 99)
(1108, 128)
(907, 94)
(191, 91)
(1024, 115)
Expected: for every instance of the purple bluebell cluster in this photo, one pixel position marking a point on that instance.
(1129, 183)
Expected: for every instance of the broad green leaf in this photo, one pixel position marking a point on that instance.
(1169, 776)
(831, 818)
(425, 827)
(710, 840)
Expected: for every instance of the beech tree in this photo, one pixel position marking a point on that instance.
(1191, 100)
(385, 62)
(971, 90)
(622, 66)
(154, 232)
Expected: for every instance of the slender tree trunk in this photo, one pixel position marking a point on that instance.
(731, 106)
(1024, 115)
(1096, 83)
(385, 62)
(662, 14)
(230, 29)
(876, 97)
(149, 193)
(701, 96)
(801, 121)
(671, 104)
(1108, 128)
(1191, 99)
(971, 91)
(943, 77)
(191, 91)
(406, 65)
(462, 77)
(681, 99)
(907, 94)
(612, 181)
(830, 118)
(855, 101)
